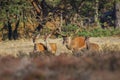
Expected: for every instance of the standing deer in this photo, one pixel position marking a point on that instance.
(75, 44)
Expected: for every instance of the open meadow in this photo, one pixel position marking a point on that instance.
(26, 46)
(17, 64)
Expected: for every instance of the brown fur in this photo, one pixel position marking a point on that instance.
(78, 43)
(75, 44)
(40, 47)
(53, 47)
(94, 47)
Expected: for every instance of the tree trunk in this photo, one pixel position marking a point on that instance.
(117, 9)
(15, 32)
(35, 4)
(96, 13)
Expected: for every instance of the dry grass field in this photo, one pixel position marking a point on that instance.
(26, 46)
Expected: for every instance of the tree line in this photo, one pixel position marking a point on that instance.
(36, 13)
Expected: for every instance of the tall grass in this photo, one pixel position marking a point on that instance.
(89, 66)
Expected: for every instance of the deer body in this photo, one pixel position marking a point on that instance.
(78, 43)
(93, 47)
(39, 47)
(51, 47)
(75, 44)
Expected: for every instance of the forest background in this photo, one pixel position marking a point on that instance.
(23, 18)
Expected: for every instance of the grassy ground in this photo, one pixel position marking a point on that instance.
(26, 46)
(103, 65)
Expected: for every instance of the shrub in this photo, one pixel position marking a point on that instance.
(93, 32)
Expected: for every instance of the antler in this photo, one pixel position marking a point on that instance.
(34, 38)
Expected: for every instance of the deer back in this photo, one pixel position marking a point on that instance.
(78, 43)
(40, 47)
(74, 43)
(94, 47)
(53, 47)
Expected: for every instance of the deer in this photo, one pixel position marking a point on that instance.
(40, 47)
(93, 47)
(79, 43)
(75, 44)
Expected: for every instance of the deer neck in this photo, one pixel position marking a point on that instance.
(47, 44)
(87, 42)
(69, 43)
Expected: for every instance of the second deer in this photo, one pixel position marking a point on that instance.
(74, 44)
(79, 43)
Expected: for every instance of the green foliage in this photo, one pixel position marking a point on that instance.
(13, 7)
(53, 2)
(87, 10)
(68, 29)
(1, 25)
(106, 4)
(97, 32)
